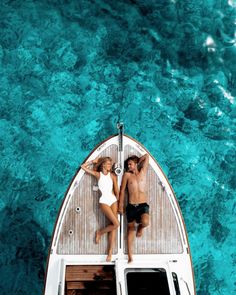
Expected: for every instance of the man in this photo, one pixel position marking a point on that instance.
(137, 209)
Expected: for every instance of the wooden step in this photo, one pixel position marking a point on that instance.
(90, 285)
(90, 292)
(78, 273)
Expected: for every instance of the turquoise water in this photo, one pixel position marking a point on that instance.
(69, 70)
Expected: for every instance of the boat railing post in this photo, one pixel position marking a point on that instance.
(120, 127)
(186, 289)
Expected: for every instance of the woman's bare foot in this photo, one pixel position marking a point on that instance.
(97, 237)
(139, 231)
(108, 258)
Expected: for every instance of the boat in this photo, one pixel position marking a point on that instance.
(162, 260)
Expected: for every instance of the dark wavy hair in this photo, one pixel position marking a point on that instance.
(133, 158)
(101, 161)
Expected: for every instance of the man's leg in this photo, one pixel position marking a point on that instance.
(130, 238)
(143, 223)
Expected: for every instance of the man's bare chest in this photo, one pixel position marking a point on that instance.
(136, 180)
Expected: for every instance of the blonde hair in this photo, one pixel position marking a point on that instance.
(101, 161)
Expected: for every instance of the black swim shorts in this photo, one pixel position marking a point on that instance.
(135, 211)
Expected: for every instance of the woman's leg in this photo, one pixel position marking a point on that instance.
(112, 217)
(111, 234)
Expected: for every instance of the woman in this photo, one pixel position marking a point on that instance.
(107, 183)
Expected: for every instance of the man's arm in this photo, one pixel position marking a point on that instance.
(122, 193)
(144, 161)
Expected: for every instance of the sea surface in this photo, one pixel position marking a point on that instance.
(69, 70)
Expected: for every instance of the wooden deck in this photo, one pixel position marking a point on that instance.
(90, 218)
(160, 237)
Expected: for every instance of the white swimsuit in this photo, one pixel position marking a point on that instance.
(105, 184)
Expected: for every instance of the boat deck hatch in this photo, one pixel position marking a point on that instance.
(147, 282)
(90, 280)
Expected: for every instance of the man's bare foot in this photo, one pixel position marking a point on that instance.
(97, 237)
(108, 258)
(139, 231)
(130, 258)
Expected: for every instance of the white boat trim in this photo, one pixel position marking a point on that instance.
(171, 262)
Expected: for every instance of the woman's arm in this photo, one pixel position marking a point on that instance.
(115, 186)
(86, 167)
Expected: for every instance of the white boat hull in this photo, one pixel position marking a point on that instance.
(163, 246)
